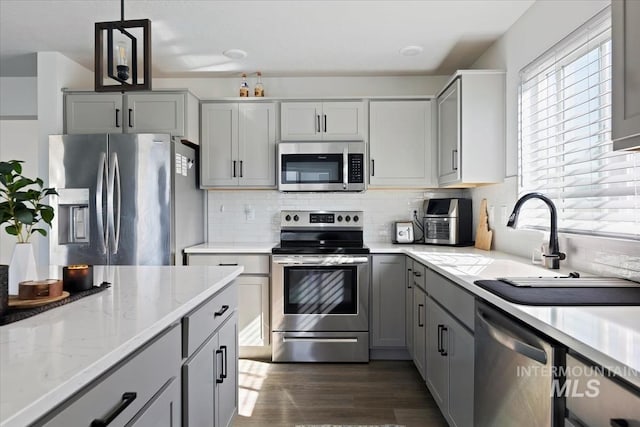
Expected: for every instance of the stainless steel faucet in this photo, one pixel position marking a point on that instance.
(552, 258)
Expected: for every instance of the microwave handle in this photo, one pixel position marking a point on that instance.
(345, 168)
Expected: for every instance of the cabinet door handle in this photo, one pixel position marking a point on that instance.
(409, 282)
(117, 117)
(318, 123)
(220, 379)
(230, 264)
(454, 158)
(130, 117)
(618, 422)
(441, 330)
(223, 310)
(325, 123)
(127, 399)
(234, 169)
(241, 169)
(225, 372)
(373, 167)
(420, 322)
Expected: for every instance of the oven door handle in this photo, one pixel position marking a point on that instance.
(319, 261)
(345, 166)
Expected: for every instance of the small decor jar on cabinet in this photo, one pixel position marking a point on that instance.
(22, 209)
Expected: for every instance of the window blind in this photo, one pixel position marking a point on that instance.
(565, 147)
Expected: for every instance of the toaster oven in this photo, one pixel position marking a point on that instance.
(448, 221)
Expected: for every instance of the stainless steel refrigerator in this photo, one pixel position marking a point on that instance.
(124, 199)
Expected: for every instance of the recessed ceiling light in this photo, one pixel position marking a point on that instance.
(411, 50)
(235, 53)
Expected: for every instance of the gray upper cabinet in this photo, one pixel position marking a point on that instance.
(155, 112)
(471, 129)
(175, 113)
(401, 144)
(238, 145)
(323, 121)
(388, 301)
(625, 32)
(93, 113)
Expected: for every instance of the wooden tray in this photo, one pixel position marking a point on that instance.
(15, 302)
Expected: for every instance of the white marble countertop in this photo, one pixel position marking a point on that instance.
(609, 336)
(46, 358)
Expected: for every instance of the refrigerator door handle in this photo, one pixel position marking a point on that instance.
(114, 202)
(102, 171)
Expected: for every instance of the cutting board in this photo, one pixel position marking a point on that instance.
(483, 234)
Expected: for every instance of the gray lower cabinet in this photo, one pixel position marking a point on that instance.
(253, 290)
(164, 409)
(420, 329)
(408, 303)
(387, 322)
(210, 378)
(450, 358)
(139, 391)
(210, 371)
(450, 348)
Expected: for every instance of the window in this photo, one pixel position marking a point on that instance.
(564, 133)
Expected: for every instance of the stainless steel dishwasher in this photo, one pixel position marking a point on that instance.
(515, 377)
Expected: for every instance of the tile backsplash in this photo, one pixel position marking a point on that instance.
(254, 215)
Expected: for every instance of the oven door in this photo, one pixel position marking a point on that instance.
(320, 293)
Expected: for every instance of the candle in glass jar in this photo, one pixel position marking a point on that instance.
(76, 278)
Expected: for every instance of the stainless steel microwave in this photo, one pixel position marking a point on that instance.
(321, 166)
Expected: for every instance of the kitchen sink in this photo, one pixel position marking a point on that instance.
(564, 291)
(563, 282)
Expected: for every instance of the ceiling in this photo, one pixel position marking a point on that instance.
(285, 38)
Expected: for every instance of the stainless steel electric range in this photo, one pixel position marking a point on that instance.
(320, 294)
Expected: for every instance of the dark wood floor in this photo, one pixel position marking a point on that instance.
(380, 392)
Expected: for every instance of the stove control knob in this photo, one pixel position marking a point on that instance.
(296, 217)
(339, 218)
(347, 218)
(356, 218)
(287, 218)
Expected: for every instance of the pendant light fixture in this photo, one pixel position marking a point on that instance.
(123, 51)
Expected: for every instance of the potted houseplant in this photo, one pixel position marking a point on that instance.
(22, 210)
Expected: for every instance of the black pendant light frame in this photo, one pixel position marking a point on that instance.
(122, 26)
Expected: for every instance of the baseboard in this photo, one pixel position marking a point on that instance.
(255, 352)
(389, 354)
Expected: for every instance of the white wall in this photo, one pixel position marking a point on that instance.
(310, 87)
(18, 98)
(18, 141)
(229, 212)
(544, 24)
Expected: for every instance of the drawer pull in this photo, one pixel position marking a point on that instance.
(618, 422)
(127, 399)
(222, 311)
(222, 376)
(228, 264)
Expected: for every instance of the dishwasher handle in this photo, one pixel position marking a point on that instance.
(511, 342)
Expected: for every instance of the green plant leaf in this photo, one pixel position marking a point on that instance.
(11, 229)
(50, 192)
(39, 230)
(47, 214)
(25, 216)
